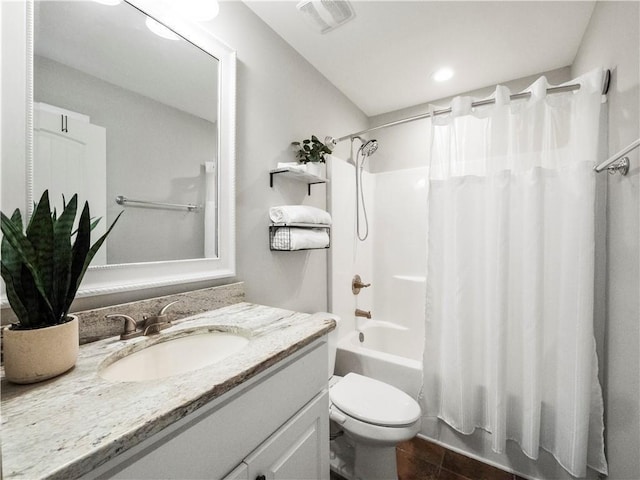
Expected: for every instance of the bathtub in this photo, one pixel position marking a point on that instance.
(389, 352)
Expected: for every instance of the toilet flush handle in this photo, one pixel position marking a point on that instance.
(336, 416)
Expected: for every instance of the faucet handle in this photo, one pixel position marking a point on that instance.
(156, 323)
(130, 326)
(357, 285)
(164, 309)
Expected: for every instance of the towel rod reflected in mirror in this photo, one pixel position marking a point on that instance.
(122, 200)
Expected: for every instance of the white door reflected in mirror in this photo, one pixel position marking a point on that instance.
(69, 156)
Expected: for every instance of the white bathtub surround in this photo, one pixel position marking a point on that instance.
(510, 285)
(68, 426)
(393, 260)
(390, 353)
(348, 256)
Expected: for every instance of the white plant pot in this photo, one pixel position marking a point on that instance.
(315, 168)
(34, 355)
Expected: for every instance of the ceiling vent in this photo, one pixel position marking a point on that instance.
(325, 15)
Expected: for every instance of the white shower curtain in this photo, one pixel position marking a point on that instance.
(510, 285)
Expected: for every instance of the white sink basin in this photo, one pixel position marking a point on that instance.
(175, 356)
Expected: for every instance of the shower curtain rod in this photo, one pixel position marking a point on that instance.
(488, 101)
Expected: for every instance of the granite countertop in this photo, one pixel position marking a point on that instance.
(67, 426)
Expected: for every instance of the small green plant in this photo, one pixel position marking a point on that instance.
(42, 268)
(311, 150)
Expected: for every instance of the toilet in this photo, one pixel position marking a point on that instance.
(374, 416)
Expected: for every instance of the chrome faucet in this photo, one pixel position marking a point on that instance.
(363, 313)
(156, 323)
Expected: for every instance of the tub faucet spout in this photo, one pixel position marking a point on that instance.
(363, 313)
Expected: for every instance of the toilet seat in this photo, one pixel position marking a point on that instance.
(373, 402)
(370, 434)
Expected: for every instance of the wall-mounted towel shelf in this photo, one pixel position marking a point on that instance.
(297, 175)
(122, 200)
(288, 237)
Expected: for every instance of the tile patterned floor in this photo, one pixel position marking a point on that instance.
(419, 459)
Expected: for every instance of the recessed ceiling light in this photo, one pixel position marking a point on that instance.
(111, 3)
(160, 29)
(442, 74)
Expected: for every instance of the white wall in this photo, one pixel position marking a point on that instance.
(281, 98)
(612, 40)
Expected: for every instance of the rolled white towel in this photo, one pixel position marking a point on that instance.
(299, 214)
(287, 238)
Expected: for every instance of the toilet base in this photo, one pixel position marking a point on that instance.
(354, 461)
(341, 457)
(375, 463)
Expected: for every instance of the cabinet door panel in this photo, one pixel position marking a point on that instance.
(299, 450)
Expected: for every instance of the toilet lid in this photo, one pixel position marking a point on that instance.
(373, 401)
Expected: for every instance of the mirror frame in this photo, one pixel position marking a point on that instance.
(106, 279)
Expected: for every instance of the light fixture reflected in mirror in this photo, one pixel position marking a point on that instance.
(200, 10)
(196, 10)
(160, 29)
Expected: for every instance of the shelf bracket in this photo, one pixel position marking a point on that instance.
(308, 179)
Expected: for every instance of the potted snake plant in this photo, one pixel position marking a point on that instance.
(42, 268)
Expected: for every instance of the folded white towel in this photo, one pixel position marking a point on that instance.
(292, 165)
(287, 238)
(299, 214)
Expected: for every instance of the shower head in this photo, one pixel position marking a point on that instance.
(369, 148)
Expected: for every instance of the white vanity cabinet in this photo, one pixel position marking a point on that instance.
(273, 426)
(295, 451)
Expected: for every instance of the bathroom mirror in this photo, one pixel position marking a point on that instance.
(137, 121)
